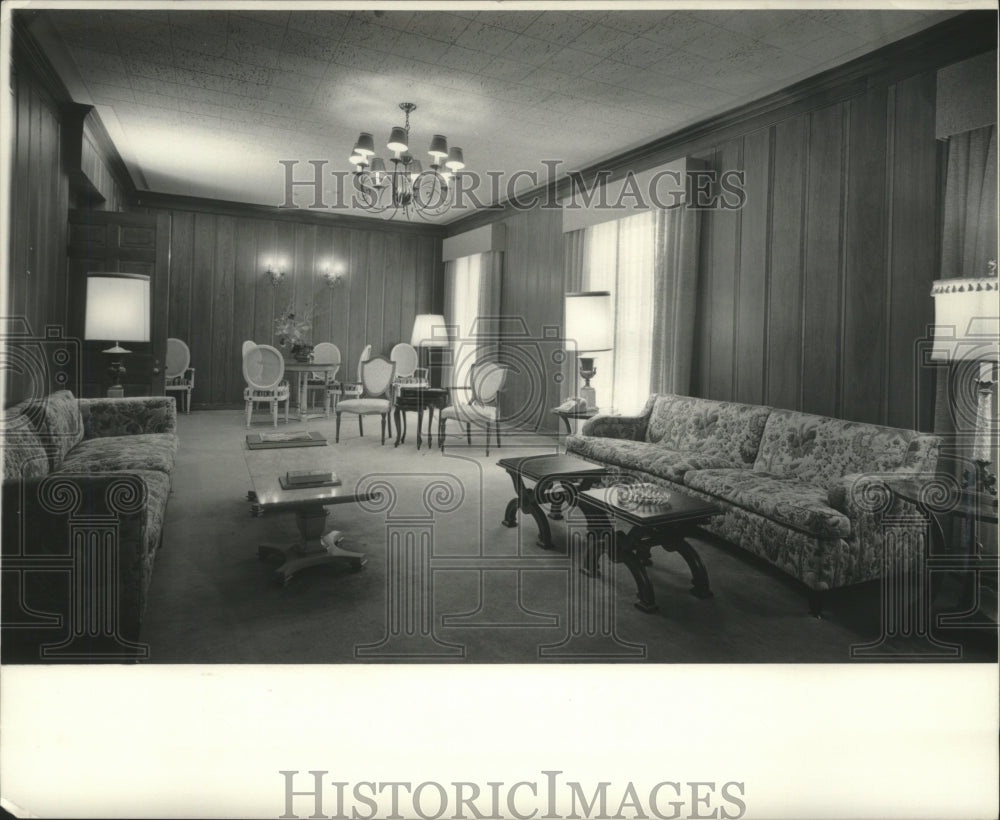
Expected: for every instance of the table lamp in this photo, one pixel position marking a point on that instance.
(967, 329)
(430, 331)
(589, 323)
(117, 310)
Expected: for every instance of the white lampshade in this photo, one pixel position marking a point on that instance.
(429, 330)
(117, 307)
(966, 319)
(588, 320)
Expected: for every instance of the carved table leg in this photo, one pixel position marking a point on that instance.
(699, 575)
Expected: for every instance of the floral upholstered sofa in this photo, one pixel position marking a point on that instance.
(85, 491)
(792, 485)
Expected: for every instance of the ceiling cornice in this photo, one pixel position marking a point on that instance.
(221, 207)
(955, 39)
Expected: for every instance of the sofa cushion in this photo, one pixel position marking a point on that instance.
(786, 501)
(819, 450)
(727, 429)
(147, 451)
(642, 456)
(23, 454)
(58, 422)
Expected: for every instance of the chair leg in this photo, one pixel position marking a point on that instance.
(498, 433)
(361, 426)
(441, 424)
(274, 412)
(286, 408)
(487, 438)
(249, 412)
(337, 439)
(383, 429)
(468, 434)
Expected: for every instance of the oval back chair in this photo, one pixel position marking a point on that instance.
(178, 373)
(322, 380)
(486, 381)
(264, 371)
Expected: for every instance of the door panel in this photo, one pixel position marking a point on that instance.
(124, 243)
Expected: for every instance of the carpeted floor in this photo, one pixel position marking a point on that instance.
(461, 587)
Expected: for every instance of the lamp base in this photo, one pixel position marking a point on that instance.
(589, 395)
(116, 391)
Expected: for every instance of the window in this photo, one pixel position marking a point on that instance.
(462, 310)
(620, 258)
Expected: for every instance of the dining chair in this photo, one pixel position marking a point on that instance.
(323, 380)
(264, 371)
(178, 373)
(377, 374)
(486, 381)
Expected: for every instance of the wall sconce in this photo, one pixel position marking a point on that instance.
(333, 275)
(276, 272)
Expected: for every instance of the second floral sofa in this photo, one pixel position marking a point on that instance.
(791, 484)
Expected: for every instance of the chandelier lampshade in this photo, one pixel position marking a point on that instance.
(439, 147)
(455, 161)
(365, 145)
(397, 140)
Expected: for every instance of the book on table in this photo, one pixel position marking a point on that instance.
(299, 438)
(304, 479)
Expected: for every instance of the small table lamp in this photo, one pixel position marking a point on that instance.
(117, 310)
(967, 329)
(589, 324)
(430, 331)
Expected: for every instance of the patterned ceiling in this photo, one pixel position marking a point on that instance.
(206, 103)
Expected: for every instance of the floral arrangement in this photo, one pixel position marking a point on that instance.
(293, 331)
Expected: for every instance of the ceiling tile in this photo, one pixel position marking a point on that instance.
(465, 59)
(679, 28)
(502, 68)
(558, 27)
(602, 40)
(635, 23)
(640, 52)
(490, 39)
(531, 50)
(572, 61)
(513, 20)
(437, 26)
(324, 23)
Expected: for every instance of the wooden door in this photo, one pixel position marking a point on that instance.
(123, 243)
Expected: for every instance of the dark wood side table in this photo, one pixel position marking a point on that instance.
(978, 568)
(417, 399)
(667, 525)
(557, 479)
(566, 415)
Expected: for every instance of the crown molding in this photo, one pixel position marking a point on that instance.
(222, 207)
(957, 38)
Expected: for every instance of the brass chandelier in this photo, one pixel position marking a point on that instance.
(405, 186)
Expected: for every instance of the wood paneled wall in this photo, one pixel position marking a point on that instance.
(41, 195)
(814, 294)
(533, 290)
(39, 191)
(220, 294)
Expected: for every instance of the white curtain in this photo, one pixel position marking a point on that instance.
(620, 258)
(472, 305)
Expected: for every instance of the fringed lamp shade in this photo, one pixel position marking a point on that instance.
(967, 329)
(966, 320)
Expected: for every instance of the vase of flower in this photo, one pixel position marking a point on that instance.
(294, 333)
(302, 352)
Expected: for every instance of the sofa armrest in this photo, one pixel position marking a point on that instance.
(855, 494)
(74, 538)
(626, 427)
(128, 416)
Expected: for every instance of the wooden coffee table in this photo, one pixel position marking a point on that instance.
(557, 479)
(266, 467)
(665, 525)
